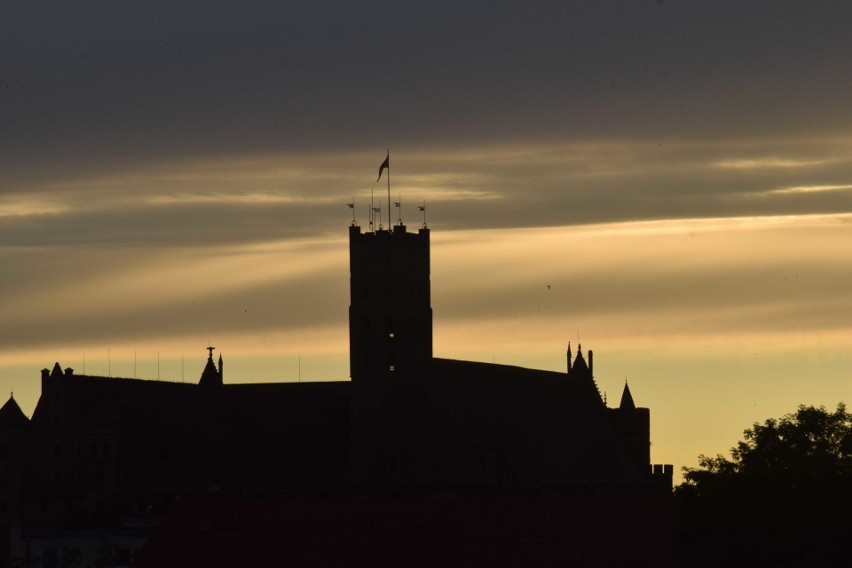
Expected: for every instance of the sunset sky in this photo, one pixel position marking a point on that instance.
(668, 183)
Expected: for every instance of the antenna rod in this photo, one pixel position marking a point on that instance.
(390, 211)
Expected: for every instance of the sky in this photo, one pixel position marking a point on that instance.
(668, 183)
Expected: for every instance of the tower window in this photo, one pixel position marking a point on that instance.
(391, 335)
(391, 368)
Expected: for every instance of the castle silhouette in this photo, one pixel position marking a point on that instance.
(113, 454)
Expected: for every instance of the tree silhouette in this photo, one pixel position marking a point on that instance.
(782, 499)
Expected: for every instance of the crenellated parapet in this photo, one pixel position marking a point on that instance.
(663, 474)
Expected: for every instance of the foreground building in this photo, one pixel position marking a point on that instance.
(102, 459)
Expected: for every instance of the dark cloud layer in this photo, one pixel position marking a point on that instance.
(88, 86)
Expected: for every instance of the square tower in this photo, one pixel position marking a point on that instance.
(390, 311)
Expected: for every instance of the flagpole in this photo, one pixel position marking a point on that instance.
(390, 211)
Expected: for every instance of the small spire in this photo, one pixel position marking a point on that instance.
(211, 376)
(626, 399)
(12, 415)
(579, 363)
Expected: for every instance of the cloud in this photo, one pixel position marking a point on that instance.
(110, 88)
(686, 281)
(692, 282)
(251, 199)
(812, 188)
(138, 294)
(760, 163)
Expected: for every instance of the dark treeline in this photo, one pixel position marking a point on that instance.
(782, 499)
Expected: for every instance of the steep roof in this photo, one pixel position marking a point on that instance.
(210, 376)
(181, 438)
(526, 427)
(579, 365)
(12, 415)
(627, 399)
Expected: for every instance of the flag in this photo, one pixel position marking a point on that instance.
(385, 164)
(396, 203)
(350, 205)
(421, 208)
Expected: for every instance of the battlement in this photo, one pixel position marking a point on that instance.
(663, 473)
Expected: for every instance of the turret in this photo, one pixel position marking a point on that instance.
(632, 425)
(580, 373)
(626, 399)
(211, 376)
(579, 368)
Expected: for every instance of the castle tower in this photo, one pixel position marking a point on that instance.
(390, 312)
(632, 425)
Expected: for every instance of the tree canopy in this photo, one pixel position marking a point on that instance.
(783, 496)
(808, 453)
